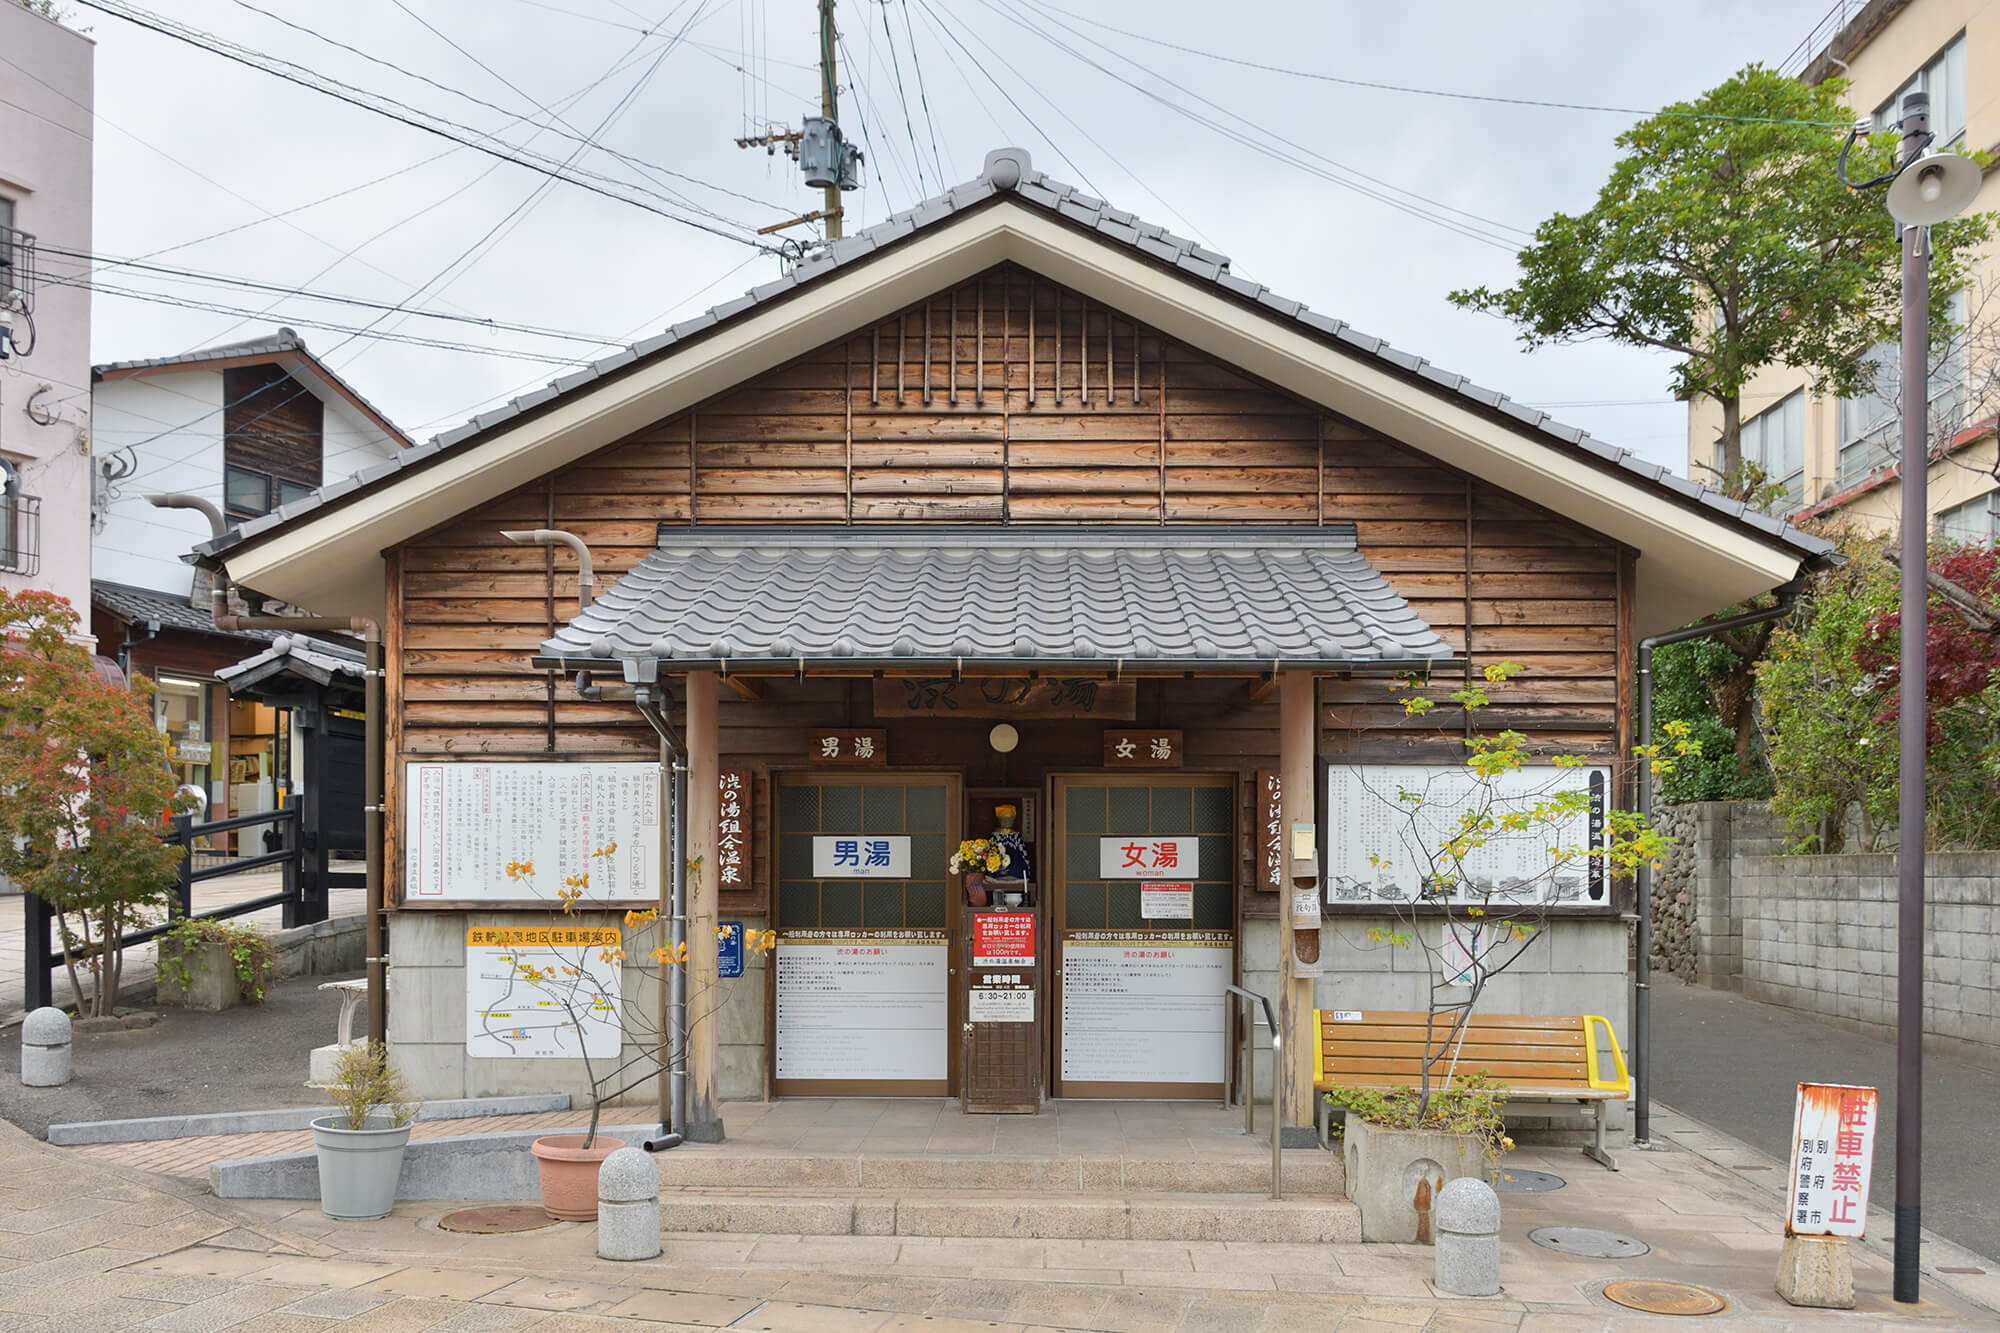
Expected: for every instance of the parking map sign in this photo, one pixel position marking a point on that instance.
(1833, 1150)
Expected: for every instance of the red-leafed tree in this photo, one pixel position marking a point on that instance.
(84, 785)
(1963, 648)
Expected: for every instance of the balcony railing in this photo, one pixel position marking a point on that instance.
(20, 534)
(1821, 36)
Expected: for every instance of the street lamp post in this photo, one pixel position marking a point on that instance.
(1924, 189)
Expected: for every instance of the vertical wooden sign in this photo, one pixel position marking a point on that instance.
(1270, 831)
(732, 841)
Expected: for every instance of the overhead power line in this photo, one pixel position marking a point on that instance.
(1453, 94)
(400, 112)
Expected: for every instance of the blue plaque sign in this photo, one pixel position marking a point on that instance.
(729, 950)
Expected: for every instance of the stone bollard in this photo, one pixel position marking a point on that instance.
(628, 1205)
(1467, 1261)
(45, 1049)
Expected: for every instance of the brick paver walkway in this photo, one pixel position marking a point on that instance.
(191, 1157)
(87, 1244)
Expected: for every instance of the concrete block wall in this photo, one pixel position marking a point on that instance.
(427, 1017)
(1819, 935)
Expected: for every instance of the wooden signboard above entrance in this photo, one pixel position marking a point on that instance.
(1142, 748)
(848, 748)
(942, 696)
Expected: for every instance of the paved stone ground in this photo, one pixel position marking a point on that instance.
(208, 895)
(1739, 1062)
(87, 1245)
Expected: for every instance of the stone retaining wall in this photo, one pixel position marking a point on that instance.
(1697, 925)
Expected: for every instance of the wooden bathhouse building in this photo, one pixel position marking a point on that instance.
(1013, 500)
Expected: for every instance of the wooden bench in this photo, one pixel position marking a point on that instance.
(1540, 1058)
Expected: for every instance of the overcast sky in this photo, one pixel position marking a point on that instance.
(190, 144)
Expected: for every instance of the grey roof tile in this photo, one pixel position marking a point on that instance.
(1037, 190)
(1237, 594)
(137, 605)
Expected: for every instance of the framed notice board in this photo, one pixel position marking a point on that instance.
(465, 822)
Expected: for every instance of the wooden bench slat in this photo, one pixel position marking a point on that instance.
(1471, 1048)
(1406, 1071)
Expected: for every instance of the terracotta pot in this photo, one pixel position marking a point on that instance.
(975, 888)
(569, 1174)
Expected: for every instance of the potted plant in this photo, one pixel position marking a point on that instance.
(361, 1145)
(1400, 1148)
(583, 981)
(211, 965)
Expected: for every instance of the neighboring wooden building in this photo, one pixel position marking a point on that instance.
(1010, 500)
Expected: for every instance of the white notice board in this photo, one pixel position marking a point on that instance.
(854, 1005)
(1144, 1006)
(1365, 816)
(507, 1016)
(465, 822)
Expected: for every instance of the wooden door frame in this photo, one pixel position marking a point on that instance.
(1058, 888)
(954, 817)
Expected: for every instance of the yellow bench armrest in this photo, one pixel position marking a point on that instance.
(1623, 1082)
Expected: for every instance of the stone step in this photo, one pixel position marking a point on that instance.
(1307, 1172)
(1211, 1216)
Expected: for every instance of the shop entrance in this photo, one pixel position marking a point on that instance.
(867, 932)
(1142, 877)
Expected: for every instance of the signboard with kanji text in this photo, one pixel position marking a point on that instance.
(1142, 747)
(859, 749)
(1147, 857)
(860, 856)
(732, 834)
(465, 822)
(1003, 939)
(1270, 831)
(1833, 1153)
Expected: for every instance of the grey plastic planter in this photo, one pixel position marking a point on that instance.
(359, 1168)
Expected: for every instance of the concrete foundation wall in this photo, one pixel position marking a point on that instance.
(427, 1017)
(1819, 935)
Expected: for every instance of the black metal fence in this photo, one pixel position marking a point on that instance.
(305, 881)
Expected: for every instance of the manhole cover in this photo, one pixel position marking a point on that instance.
(1664, 1297)
(1526, 1182)
(1588, 1242)
(497, 1219)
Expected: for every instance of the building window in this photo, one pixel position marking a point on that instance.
(20, 524)
(1775, 440)
(245, 494)
(1869, 425)
(1976, 522)
(1944, 80)
(289, 491)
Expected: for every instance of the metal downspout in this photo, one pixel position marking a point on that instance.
(673, 791)
(1642, 972)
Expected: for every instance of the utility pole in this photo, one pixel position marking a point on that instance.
(829, 106)
(820, 149)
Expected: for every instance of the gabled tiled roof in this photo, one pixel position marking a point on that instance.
(315, 659)
(983, 595)
(285, 344)
(136, 606)
(1009, 171)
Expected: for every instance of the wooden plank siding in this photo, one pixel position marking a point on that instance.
(1009, 399)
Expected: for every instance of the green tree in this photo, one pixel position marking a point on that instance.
(1690, 683)
(87, 784)
(1724, 238)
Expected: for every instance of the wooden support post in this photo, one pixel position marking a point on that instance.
(1298, 728)
(704, 1046)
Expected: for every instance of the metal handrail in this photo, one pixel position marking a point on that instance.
(1249, 1077)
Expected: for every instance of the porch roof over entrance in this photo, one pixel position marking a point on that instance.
(1039, 597)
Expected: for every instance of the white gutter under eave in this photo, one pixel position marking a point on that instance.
(1691, 565)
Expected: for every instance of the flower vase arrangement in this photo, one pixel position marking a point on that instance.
(1002, 856)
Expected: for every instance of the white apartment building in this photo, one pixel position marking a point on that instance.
(45, 194)
(1836, 454)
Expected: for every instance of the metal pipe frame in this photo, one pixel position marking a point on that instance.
(673, 909)
(1249, 1083)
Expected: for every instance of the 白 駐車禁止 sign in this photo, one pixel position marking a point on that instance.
(1147, 857)
(1833, 1151)
(861, 856)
